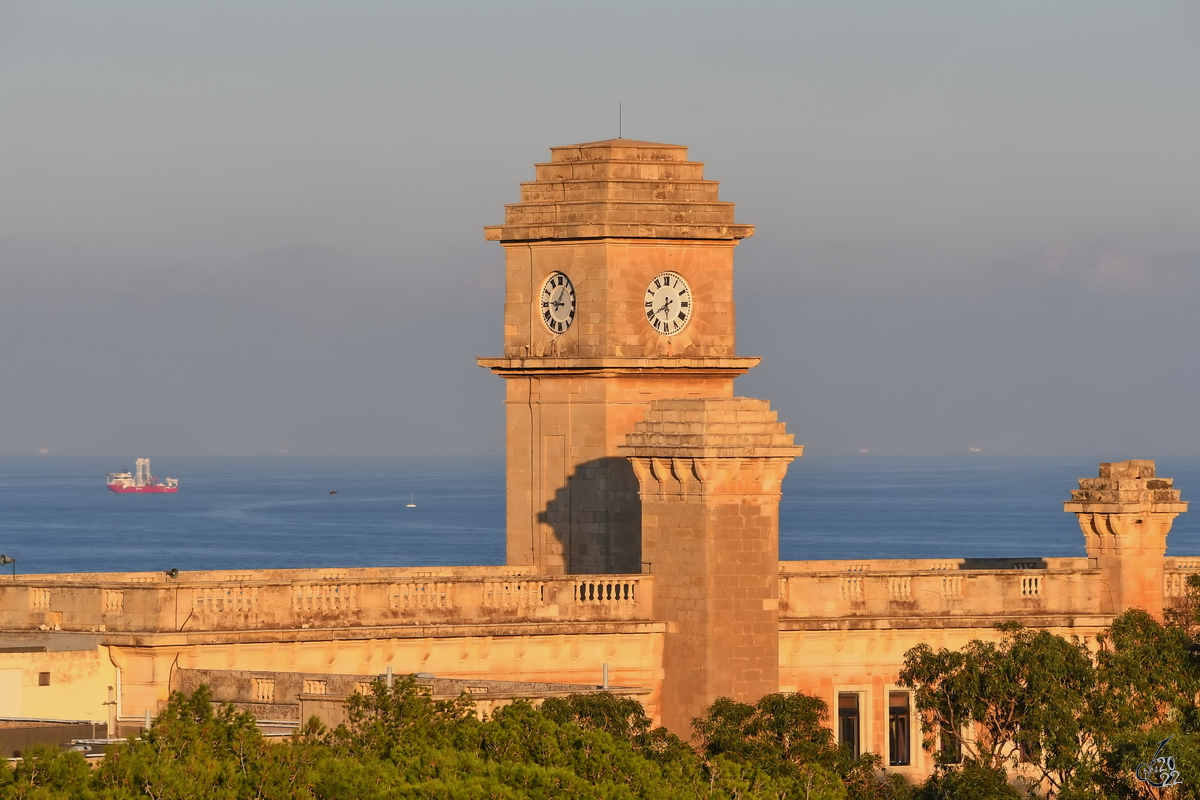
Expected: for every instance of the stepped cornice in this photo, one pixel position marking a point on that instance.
(621, 189)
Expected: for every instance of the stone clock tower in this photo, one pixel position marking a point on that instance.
(618, 292)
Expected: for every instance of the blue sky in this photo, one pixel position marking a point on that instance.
(252, 227)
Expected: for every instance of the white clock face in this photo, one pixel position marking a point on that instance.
(557, 302)
(668, 303)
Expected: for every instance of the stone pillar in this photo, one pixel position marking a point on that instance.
(1125, 515)
(710, 471)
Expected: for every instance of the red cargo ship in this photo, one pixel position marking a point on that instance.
(141, 481)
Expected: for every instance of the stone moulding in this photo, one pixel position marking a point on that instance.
(612, 367)
(715, 474)
(199, 606)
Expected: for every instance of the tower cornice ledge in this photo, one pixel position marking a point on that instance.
(543, 231)
(1125, 508)
(717, 367)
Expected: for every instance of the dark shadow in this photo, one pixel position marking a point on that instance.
(1004, 563)
(597, 518)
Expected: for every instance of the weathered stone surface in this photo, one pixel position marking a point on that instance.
(611, 216)
(1125, 515)
(710, 428)
(1125, 487)
(620, 188)
(710, 472)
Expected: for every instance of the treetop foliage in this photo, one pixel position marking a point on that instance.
(398, 742)
(1067, 720)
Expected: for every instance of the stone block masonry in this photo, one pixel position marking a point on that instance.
(610, 216)
(1125, 515)
(710, 472)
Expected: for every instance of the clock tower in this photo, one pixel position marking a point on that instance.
(618, 293)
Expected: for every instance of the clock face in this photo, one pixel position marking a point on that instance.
(668, 303)
(557, 303)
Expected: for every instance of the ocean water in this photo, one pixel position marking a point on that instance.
(237, 513)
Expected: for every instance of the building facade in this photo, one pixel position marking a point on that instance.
(642, 524)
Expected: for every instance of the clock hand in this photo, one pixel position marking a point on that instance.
(558, 303)
(666, 307)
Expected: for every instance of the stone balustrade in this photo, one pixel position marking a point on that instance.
(1176, 572)
(819, 592)
(297, 599)
(831, 592)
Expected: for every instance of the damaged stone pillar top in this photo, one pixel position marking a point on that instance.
(1125, 487)
(1125, 515)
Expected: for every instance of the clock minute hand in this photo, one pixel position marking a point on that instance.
(666, 307)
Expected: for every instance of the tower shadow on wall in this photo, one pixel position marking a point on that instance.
(595, 520)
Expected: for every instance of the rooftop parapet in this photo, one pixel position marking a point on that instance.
(340, 599)
(619, 188)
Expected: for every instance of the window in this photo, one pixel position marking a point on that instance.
(1028, 753)
(898, 729)
(43, 679)
(849, 722)
(951, 747)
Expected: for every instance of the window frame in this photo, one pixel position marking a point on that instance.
(894, 757)
(856, 748)
(865, 714)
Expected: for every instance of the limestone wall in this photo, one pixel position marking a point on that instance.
(38, 682)
(316, 599)
(915, 593)
(844, 626)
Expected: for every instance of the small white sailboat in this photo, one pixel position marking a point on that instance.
(411, 503)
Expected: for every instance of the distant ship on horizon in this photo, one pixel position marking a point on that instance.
(140, 481)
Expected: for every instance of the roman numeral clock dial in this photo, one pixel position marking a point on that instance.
(557, 302)
(668, 303)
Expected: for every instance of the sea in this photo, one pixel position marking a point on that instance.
(56, 515)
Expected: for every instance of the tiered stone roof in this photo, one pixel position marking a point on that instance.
(619, 188)
(710, 428)
(1125, 485)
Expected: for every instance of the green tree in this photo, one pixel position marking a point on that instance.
(1148, 683)
(1028, 698)
(786, 735)
(580, 746)
(622, 717)
(970, 781)
(1083, 720)
(390, 715)
(191, 751)
(47, 773)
